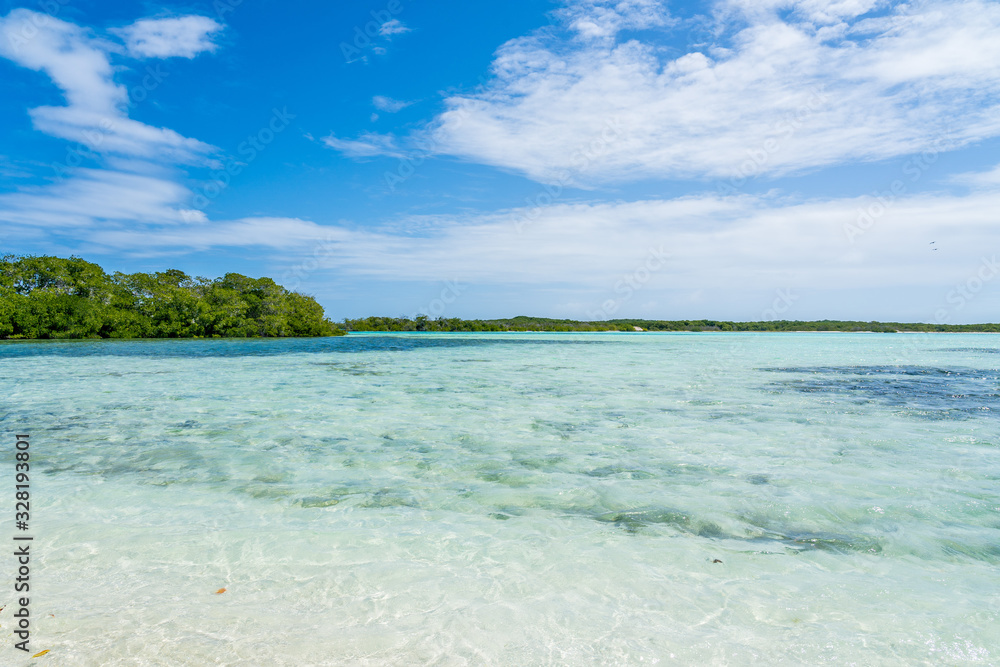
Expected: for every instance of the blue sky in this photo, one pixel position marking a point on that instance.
(738, 159)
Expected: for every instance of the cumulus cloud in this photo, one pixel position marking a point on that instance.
(797, 85)
(181, 37)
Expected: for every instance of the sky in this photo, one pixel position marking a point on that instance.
(584, 159)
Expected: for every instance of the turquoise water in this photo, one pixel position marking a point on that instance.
(522, 499)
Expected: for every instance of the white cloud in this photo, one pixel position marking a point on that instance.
(117, 134)
(367, 145)
(817, 11)
(95, 115)
(980, 180)
(99, 196)
(712, 243)
(388, 104)
(392, 27)
(603, 19)
(73, 59)
(182, 37)
(736, 242)
(784, 91)
(263, 232)
(11, 169)
(138, 183)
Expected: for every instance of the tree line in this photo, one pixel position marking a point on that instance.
(52, 297)
(524, 323)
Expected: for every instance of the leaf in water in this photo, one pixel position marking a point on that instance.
(40, 653)
(220, 591)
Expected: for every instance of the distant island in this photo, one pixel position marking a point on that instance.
(523, 323)
(52, 297)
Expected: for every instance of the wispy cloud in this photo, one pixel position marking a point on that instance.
(136, 181)
(366, 145)
(99, 196)
(276, 233)
(713, 242)
(388, 104)
(392, 27)
(988, 180)
(10, 169)
(181, 37)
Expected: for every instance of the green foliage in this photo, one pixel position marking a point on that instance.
(522, 323)
(51, 297)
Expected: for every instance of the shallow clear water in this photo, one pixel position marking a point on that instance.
(522, 499)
